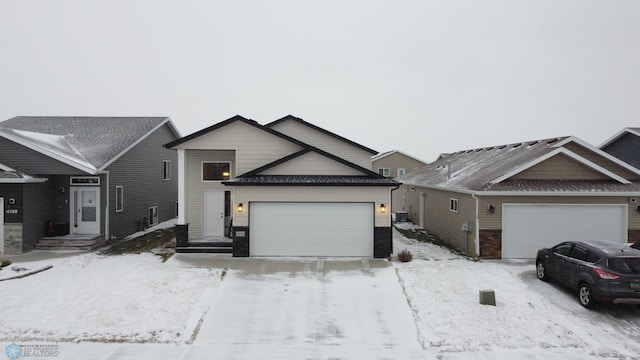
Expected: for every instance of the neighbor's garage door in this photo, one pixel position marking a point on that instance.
(311, 229)
(527, 228)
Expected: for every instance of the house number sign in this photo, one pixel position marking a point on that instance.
(12, 211)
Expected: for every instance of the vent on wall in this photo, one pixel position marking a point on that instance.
(632, 200)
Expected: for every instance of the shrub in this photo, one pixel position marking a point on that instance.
(405, 255)
(4, 262)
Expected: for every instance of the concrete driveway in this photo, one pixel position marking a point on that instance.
(306, 308)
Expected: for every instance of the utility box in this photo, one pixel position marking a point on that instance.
(487, 297)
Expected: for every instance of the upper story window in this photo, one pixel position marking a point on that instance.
(384, 172)
(401, 171)
(166, 169)
(119, 198)
(453, 205)
(216, 171)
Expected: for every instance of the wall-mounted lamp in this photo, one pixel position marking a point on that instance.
(638, 208)
(491, 209)
(383, 208)
(240, 208)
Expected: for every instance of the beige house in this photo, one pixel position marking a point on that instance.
(288, 188)
(509, 201)
(394, 163)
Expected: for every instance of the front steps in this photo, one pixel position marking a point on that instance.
(214, 247)
(70, 242)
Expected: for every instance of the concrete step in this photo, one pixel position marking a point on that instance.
(64, 246)
(66, 242)
(220, 244)
(204, 249)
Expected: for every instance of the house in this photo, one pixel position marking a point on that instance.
(287, 188)
(73, 182)
(625, 145)
(395, 163)
(508, 201)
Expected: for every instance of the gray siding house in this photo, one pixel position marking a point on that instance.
(625, 145)
(85, 178)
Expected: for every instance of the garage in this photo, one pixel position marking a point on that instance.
(527, 228)
(311, 229)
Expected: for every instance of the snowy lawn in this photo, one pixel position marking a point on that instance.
(530, 316)
(127, 298)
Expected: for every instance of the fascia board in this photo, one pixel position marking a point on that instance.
(601, 152)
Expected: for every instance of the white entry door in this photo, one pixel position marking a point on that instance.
(86, 210)
(212, 214)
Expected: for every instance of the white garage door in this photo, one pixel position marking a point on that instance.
(311, 229)
(527, 228)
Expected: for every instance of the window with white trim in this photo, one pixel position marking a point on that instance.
(153, 215)
(216, 170)
(453, 205)
(401, 171)
(384, 172)
(166, 169)
(119, 198)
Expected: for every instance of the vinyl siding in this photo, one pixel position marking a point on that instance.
(325, 142)
(312, 164)
(140, 172)
(254, 147)
(626, 148)
(38, 207)
(605, 163)
(195, 185)
(395, 161)
(248, 194)
(33, 162)
(561, 167)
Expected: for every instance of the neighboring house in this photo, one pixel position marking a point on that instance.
(395, 163)
(288, 188)
(625, 145)
(83, 178)
(508, 201)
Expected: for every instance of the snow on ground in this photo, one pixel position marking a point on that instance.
(134, 298)
(530, 316)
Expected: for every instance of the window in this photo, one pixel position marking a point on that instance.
(579, 253)
(119, 198)
(563, 249)
(166, 169)
(153, 215)
(216, 171)
(453, 205)
(400, 171)
(384, 171)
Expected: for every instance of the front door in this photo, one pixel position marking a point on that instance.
(86, 210)
(212, 214)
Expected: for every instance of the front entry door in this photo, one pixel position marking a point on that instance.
(86, 210)
(212, 214)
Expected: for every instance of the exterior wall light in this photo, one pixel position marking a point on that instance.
(383, 208)
(492, 209)
(240, 207)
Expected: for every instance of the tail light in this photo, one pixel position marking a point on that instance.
(606, 275)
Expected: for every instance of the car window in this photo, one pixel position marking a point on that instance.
(579, 253)
(625, 265)
(592, 257)
(563, 249)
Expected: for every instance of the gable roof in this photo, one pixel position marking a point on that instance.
(317, 128)
(10, 175)
(388, 153)
(629, 130)
(486, 169)
(368, 177)
(86, 143)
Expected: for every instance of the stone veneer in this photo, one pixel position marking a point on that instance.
(490, 244)
(12, 239)
(633, 236)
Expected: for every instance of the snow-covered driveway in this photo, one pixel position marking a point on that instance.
(312, 309)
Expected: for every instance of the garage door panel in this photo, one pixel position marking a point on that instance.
(311, 229)
(527, 228)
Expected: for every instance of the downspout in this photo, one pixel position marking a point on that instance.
(476, 229)
(390, 210)
(107, 229)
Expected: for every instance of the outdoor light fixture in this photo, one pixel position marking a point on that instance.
(240, 207)
(383, 208)
(492, 209)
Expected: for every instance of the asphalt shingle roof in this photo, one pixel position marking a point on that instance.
(89, 141)
(315, 180)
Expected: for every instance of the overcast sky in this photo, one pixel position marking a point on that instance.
(423, 77)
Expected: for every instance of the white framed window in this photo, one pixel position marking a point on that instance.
(166, 169)
(153, 215)
(384, 172)
(401, 171)
(216, 170)
(119, 198)
(453, 205)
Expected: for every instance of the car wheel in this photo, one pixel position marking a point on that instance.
(540, 271)
(585, 296)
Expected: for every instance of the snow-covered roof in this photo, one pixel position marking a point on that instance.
(87, 143)
(387, 153)
(10, 175)
(486, 169)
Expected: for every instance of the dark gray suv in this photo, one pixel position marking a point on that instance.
(599, 271)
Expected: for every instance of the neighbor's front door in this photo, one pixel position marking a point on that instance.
(212, 214)
(86, 210)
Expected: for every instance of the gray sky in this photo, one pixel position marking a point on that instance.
(423, 77)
